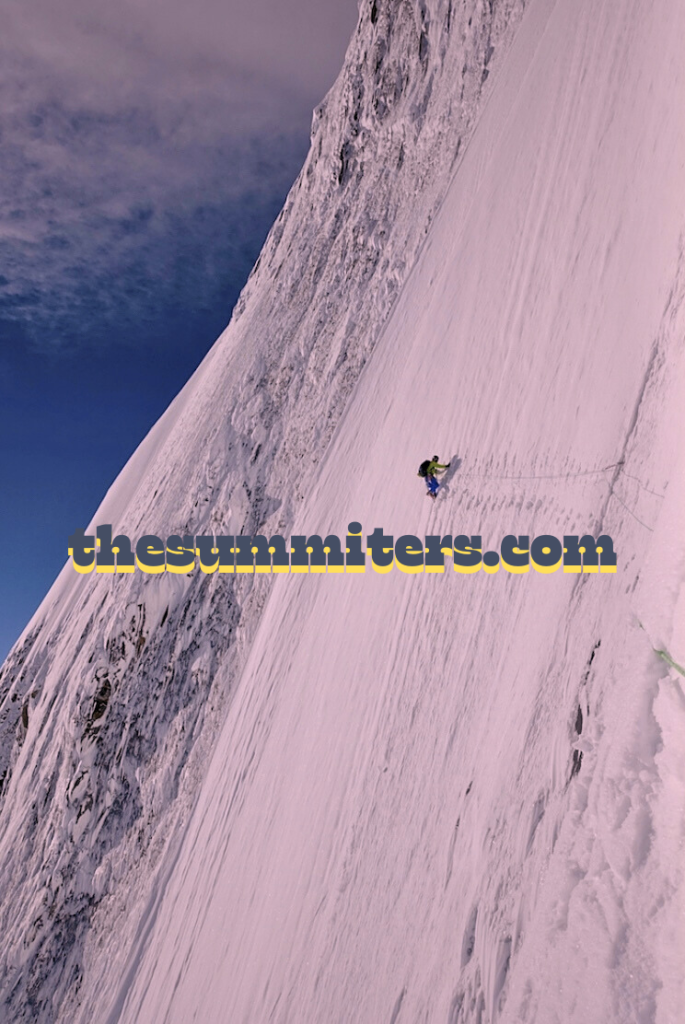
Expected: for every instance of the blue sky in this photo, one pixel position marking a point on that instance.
(145, 149)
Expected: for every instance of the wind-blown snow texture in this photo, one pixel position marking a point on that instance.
(363, 798)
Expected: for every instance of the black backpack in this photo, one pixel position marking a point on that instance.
(423, 468)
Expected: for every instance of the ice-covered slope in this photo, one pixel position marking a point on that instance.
(389, 828)
(111, 701)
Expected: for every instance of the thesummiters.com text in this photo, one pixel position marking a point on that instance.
(314, 554)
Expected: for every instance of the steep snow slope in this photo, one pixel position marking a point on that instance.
(391, 828)
(111, 701)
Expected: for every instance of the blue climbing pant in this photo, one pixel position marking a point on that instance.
(433, 484)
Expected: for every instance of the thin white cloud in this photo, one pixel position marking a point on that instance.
(114, 51)
(124, 123)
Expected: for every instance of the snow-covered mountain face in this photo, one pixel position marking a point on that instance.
(111, 700)
(394, 797)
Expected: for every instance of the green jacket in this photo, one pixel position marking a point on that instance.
(434, 465)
